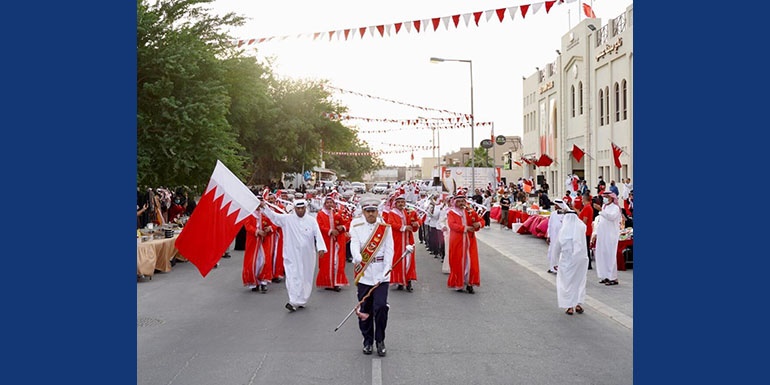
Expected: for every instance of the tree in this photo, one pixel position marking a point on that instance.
(481, 158)
(182, 101)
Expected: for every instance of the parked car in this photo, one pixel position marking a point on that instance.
(358, 187)
(379, 188)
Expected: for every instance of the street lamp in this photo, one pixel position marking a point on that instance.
(473, 126)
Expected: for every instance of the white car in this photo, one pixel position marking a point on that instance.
(358, 187)
(379, 188)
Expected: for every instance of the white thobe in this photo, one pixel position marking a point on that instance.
(302, 239)
(554, 225)
(573, 262)
(442, 224)
(607, 235)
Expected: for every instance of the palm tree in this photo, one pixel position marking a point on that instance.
(481, 158)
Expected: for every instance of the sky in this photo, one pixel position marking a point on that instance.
(392, 78)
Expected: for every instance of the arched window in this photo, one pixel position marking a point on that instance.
(625, 99)
(617, 102)
(572, 104)
(601, 107)
(607, 104)
(580, 97)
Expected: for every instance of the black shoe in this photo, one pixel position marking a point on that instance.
(227, 255)
(460, 290)
(400, 287)
(263, 288)
(255, 288)
(469, 288)
(604, 280)
(409, 287)
(277, 280)
(590, 268)
(381, 349)
(367, 349)
(290, 307)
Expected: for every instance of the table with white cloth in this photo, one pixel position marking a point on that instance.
(154, 255)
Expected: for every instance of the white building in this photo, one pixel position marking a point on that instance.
(583, 98)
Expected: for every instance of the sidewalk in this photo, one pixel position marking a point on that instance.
(615, 302)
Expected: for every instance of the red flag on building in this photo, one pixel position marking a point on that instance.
(577, 153)
(412, 156)
(589, 11)
(544, 161)
(217, 218)
(616, 151)
(526, 160)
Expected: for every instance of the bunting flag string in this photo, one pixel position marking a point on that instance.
(465, 116)
(417, 121)
(370, 153)
(420, 25)
(402, 128)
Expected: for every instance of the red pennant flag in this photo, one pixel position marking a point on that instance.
(315, 35)
(216, 220)
(456, 20)
(331, 34)
(588, 11)
(412, 156)
(436, 21)
(517, 163)
(362, 31)
(381, 29)
(616, 151)
(476, 17)
(544, 161)
(524, 8)
(347, 32)
(548, 5)
(398, 27)
(500, 14)
(577, 153)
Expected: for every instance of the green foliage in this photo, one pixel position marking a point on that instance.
(481, 158)
(199, 99)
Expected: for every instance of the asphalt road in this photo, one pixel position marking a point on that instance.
(193, 330)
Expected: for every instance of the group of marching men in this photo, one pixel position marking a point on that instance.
(442, 222)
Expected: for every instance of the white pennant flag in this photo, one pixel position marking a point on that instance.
(467, 18)
(489, 14)
(424, 24)
(372, 30)
(512, 11)
(408, 26)
(387, 28)
(536, 7)
(445, 20)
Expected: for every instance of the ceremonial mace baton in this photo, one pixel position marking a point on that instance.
(409, 250)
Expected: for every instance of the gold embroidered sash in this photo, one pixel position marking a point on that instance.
(371, 247)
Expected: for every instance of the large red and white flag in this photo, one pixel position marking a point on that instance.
(577, 153)
(215, 222)
(616, 151)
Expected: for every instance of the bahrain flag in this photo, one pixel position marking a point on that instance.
(215, 222)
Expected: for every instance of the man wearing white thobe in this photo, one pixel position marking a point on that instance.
(552, 235)
(607, 233)
(303, 244)
(573, 263)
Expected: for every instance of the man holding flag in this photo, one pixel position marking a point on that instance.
(303, 244)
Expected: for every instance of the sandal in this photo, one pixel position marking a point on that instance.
(611, 283)
(604, 280)
(569, 311)
(579, 309)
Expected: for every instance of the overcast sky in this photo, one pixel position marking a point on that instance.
(397, 67)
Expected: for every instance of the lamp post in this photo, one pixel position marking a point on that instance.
(473, 126)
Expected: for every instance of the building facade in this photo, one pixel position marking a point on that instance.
(584, 100)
